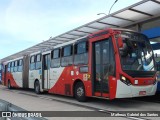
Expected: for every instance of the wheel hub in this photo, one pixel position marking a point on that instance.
(80, 91)
(37, 88)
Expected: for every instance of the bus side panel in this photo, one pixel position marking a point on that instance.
(55, 74)
(62, 80)
(34, 75)
(10, 77)
(25, 71)
(13, 77)
(17, 77)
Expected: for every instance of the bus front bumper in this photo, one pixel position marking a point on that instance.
(125, 91)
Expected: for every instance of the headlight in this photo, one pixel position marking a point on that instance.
(125, 80)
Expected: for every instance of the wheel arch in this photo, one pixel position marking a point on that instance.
(35, 81)
(8, 81)
(74, 84)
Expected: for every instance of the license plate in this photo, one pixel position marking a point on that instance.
(142, 93)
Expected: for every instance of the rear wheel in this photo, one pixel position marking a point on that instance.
(9, 84)
(79, 92)
(37, 87)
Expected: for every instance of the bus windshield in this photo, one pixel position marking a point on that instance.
(136, 53)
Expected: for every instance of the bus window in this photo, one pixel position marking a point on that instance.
(15, 66)
(9, 67)
(12, 67)
(81, 53)
(20, 65)
(32, 62)
(38, 61)
(67, 58)
(55, 58)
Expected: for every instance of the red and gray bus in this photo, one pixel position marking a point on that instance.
(111, 63)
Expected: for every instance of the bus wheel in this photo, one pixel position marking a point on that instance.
(9, 84)
(79, 92)
(37, 87)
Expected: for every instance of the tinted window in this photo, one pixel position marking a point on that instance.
(55, 58)
(32, 63)
(67, 58)
(38, 58)
(56, 53)
(47, 62)
(9, 64)
(20, 62)
(20, 65)
(12, 66)
(105, 52)
(81, 47)
(15, 66)
(81, 53)
(67, 51)
(32, 59)
(38, 61)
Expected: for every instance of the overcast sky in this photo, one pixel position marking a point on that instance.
(24, 23)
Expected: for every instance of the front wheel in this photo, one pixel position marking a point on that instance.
(37, 87)
(79, 92)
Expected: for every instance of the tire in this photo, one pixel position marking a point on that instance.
(9, 85)
(79, 92)
(37, 87)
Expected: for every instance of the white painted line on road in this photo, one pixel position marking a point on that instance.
(134, 118)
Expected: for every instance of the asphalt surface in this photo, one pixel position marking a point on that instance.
(30, 101)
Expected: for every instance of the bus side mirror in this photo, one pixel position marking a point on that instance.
(120, 42)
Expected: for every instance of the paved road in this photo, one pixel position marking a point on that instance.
(30, 101)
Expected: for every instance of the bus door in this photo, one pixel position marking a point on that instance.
(45, 69)
(100, 68)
